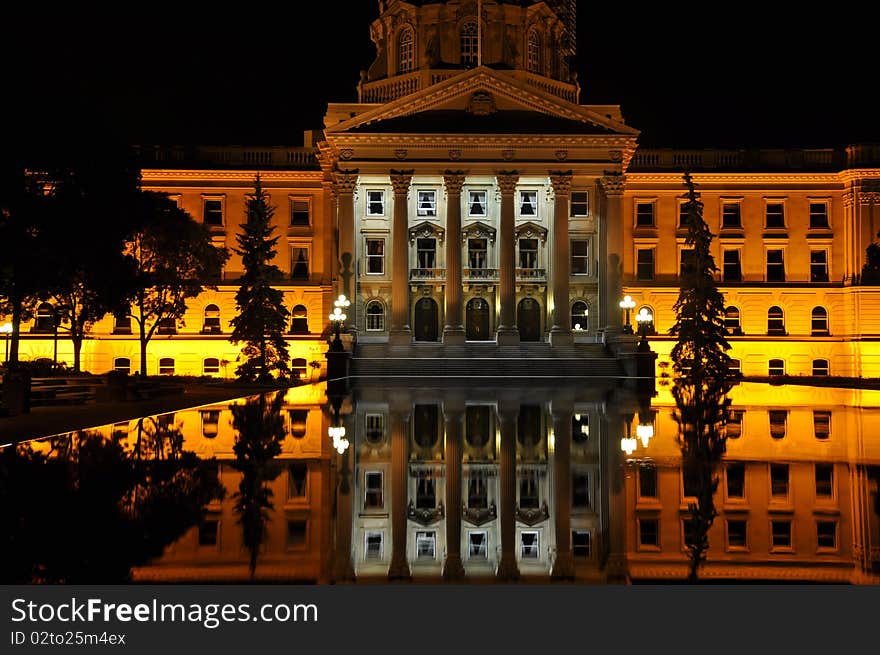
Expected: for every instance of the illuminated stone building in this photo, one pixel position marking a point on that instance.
(468, 200)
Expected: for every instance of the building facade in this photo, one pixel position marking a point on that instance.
(468, 197)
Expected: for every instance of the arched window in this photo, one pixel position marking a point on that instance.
(776, 367)
(166, 366)
(821, 367)
(819, 321)
(212, 320)
(649, 325)
(375, 316)
(211, 365)
(405, 51)
(469, 43)
(731, 320)
(45, 318)
(775, 322)
(298, 368)
(535, 53)
(299, 323)
(122, 364)
(580, 316)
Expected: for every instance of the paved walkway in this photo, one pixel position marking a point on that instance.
(45, 421)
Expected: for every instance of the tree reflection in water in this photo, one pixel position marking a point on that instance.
(86, 509)
(259, 428)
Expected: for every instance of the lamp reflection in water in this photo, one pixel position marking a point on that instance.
(628, 443)
(336, 432)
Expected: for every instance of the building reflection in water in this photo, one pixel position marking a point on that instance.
(528, 483)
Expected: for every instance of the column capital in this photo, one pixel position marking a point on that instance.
(507, 181)
(848, 199)
(613, 184)
(453, 180)
(346, 181)
(561, 182)
(401, 180)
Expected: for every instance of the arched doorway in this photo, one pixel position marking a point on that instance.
(477, 320)
(528, 320)
(426, 320)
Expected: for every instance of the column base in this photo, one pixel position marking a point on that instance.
(453, 569)
(563, 567)
(399, 572)
(400, 336)
(507, 336)
(344, 572)
(561, 337)
(453, 335)
(508, 571)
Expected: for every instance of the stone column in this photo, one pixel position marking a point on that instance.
(346, 277)
(563, 566)
(611, 254)
(453, 415)
(453, 331)
(508, 334)
(400, 333)
(507, 567)
(399, 415)
(560, 333)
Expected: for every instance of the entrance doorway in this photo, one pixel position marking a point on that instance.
(477, 320)
(426, 320)
(528, 320)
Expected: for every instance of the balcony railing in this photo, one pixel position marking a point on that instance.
(427, 274)
(818, 159)
(480, 273)
(531, 274)
(228, 157)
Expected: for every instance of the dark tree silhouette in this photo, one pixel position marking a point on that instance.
(702, 379)
(871, 268)
(173, 260)
(262, 318)
(260, 430)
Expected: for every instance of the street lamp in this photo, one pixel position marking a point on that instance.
(6, 330)
(626, 305)
(628, 443)
(644, 318)
(337, 319)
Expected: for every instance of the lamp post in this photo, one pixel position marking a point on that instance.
(337, 319)
(627, 305)
(644, 318)
(6, 330)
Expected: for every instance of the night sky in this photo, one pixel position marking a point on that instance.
(262, 74)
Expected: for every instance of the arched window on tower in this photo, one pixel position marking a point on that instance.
(405, 51)
(469, 44)
(375, 316)
(535, 53)
(580, 316)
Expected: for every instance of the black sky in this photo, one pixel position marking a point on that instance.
(738, 76)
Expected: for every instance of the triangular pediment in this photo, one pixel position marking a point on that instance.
(478, 229)
(426, 229)
(482, 101)
(531, 230)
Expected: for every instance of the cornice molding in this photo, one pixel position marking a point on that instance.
(211, 175)
(392, 140)
(735, 178)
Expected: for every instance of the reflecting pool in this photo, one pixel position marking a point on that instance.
(463, 483)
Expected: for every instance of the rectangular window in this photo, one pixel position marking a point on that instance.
(818, 266)
(737, 533)
(580, 257)
(580, 490)
(581, 544)
(685, 261)
(778, 419)
(300, 212)
(821, 423)
(779, 480)
(736, 480)
(528, 253)
(688, 529)
(477, 491)
(690, 483)
(645, 263)
(824, 480)
(426, 253)
(373, 545)
(297, 480)
(731, 216)
(375, 256)
(775, 266)
(647, 482)
(649, 532)
(426, 544)
(477, 203)
(781, 534)
(735, 423)
(530, 544)
(580, 204)
(212, 212)
(209, 531)
(644, 214)
(478, 544)
(826, 534)
(373, 490)
(427, 203)
(819, 216)
(528, 489)
(426, 494)
(478, 254)
(775, 215)
(528, 204)
(732, 267)
(296, 534)
(682, 216)
(375, 203)
(299, 262)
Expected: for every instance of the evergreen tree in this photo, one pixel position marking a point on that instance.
(701, 364)
(871, 268)
(262, 318)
